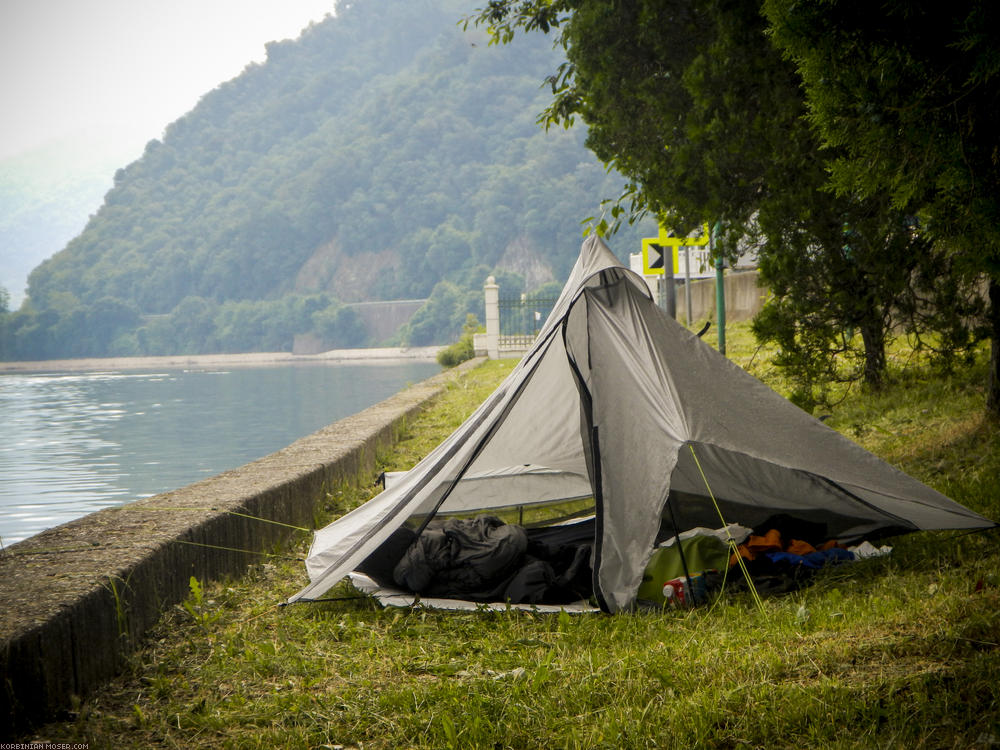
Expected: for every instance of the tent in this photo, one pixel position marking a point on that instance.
(618, 406)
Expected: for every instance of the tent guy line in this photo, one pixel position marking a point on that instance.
(731, 543)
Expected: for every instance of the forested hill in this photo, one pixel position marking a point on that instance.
(385, 154)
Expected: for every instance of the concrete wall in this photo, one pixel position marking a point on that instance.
(744, 298)
(74, 600)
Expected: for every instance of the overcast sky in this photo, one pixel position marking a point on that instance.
(126, 68)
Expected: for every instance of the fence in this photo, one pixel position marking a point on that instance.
(521, 318)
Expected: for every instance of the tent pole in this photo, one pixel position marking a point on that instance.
(680, 549)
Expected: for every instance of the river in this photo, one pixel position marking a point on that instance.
(75, 442)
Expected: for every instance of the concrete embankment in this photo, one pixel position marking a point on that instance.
(74, 600)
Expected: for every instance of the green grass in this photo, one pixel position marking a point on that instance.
(894, 652)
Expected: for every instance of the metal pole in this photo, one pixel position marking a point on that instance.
(687, 282)
(720, 291)
(669, 289)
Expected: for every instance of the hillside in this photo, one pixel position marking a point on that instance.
(46, 195)
(385, 154)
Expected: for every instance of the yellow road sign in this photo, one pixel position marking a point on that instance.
(655, 250)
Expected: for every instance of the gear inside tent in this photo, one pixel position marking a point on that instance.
(585, 475)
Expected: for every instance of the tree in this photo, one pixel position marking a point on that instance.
(693, 105)
(340, 327)
(6, 342)
(872, 279)
(442, 317)
(105, 321)
(192, 326)
(907, 91)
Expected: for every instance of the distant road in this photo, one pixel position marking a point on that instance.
(254, 359)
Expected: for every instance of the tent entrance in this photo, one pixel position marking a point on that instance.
(487, 560)
(749, 491)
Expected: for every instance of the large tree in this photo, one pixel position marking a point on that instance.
(908, 92)
(691, 102)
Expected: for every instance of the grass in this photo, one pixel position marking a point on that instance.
(892, 652)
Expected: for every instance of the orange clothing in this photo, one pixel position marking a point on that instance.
(798, 547)
(771, 542)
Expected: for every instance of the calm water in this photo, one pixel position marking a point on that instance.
(72, 443)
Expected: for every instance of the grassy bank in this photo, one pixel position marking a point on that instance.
(893, 652)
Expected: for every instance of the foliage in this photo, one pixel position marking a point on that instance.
(548, 291)
(833, 314)
(463, 349)
(692, 103)
(340, 327)
(908, 92)
(69, 328)
(378, 155)
(443, 313)
(898, 651)
(198, 607)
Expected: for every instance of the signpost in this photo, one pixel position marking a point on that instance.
(662, 252)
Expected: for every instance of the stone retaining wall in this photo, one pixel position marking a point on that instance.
(76, 599)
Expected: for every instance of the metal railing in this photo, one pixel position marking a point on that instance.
(521, 318)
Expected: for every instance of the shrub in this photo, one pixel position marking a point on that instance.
(462, 349)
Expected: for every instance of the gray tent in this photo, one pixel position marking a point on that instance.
(617, 402)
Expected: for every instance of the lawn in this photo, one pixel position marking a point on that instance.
(900, 651)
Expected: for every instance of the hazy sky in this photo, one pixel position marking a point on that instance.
(126, 67)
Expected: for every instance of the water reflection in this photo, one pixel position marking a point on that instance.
(75, 443)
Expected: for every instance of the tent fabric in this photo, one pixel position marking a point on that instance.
(617, 401)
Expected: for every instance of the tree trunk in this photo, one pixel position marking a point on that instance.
(873, 338)
(993, 380)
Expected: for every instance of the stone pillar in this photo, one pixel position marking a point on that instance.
(492, 294)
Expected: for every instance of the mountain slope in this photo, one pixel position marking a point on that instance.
(46, 195)
(384, 154)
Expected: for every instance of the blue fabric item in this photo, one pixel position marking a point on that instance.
(814, 559)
